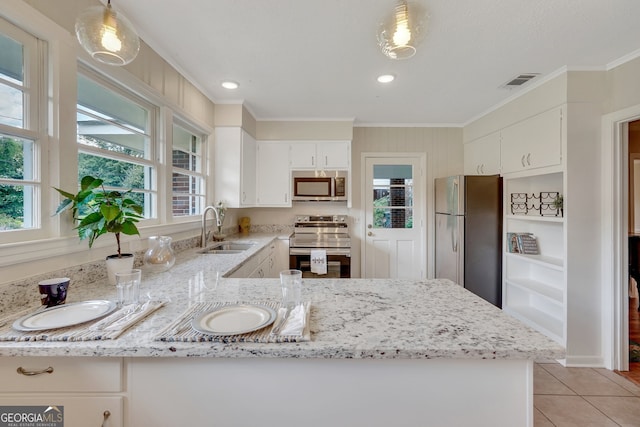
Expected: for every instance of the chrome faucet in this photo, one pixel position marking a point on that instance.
(205, 235)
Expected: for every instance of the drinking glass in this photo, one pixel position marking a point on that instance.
(291, 282)
(128, 285)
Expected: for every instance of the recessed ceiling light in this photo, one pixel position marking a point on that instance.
(386, 78)
(230, 85)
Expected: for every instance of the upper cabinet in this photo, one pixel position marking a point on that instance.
(274, 177)
(533, 143)
(235, 170)
(320, 155)
(482, 156)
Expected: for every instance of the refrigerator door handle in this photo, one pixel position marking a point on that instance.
(453, 204)
(454, 240)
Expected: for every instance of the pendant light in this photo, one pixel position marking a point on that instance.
(107, 35)
(400, 33)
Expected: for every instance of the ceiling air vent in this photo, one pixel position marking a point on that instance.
(520, 80)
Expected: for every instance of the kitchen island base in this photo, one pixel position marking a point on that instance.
(329, 392)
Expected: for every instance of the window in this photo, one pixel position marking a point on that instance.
(115, 134)
(393, 196)
(20, 130)
(188, 176)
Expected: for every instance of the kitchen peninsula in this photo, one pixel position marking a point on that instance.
(382, 352)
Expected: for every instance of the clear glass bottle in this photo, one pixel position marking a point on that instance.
(160, 256)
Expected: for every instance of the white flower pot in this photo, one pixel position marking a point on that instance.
(115, 265)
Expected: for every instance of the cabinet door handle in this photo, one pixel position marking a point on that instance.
(106, 415)
(529, 159)
(313, 160)
(478, 169)
(326, 160)
(482, 168)
(23, 371)
(522, 161)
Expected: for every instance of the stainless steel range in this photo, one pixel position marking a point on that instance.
(326, 232)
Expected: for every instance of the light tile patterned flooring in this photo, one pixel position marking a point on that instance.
(583, 397)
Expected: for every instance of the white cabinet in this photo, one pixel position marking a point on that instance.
(89, 390)
(282, 255)
(260, 265)
(334, 155)
(274, 176)
(533, 143)
(303, 155)
(535, 286)
(246, 269)
(235, 167)
(266, 263)
(320, 155)
(559, 291)
(482, 156)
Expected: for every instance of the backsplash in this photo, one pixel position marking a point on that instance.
(272, 228)
(23, 292)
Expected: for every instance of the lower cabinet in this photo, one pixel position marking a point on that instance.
(84, 391)
(282, 255)
(267, 263)
(261, 265)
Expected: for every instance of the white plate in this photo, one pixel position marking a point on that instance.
(234, 319)
(64, 315)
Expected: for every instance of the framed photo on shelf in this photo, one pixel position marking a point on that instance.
(512, 243)
(522, 243)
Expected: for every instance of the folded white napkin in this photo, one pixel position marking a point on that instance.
(319, 261)
(133, 314)
(296, 321)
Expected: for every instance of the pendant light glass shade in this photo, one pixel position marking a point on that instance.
(400, 33)
(107, 35)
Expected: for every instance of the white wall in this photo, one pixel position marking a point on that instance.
(442, 146)
(445, 156)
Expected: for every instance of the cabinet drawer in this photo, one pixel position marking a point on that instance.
(69, 374)
(106, 411)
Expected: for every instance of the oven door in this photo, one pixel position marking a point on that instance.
(338, 263)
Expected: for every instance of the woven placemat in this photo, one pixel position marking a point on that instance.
(88, 331)
(181, 330)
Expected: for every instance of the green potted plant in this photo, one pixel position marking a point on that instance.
(99, 211)
(558, 204)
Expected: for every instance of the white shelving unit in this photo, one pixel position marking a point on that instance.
(535, 286)
(560, 291)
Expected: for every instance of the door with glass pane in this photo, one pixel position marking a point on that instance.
(395, 239)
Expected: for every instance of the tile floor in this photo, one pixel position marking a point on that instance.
(583, 397)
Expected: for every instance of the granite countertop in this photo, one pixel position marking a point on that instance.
(350, 318)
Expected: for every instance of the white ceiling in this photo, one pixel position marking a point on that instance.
(318, 59)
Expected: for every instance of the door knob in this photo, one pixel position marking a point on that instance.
(369, 226)
(370, 234)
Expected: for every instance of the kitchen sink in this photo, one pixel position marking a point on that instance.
(227, 248)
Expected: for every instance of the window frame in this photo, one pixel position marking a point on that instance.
(34, 128)
(177, 120)
(153, 161)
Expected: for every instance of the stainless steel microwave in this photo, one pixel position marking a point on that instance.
(319, 185)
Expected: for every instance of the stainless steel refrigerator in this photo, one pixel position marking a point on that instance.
(469, 233)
